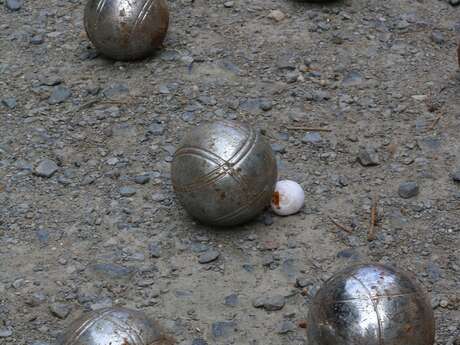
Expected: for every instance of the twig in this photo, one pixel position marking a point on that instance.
(309, 129)
(435, 122)
(341, 226)
(374, 219)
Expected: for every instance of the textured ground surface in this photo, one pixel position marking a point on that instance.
(382, 75)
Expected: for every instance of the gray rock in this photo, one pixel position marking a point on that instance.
(312, 138)
(229, 4)
(127, 191)
(113, 270)
(156, 128)
(208, 256)
(36, 299)
(13, 5)
(278, 148)
(223, 329)
(60, 310)
(456, 175)
(9, 102)
(59, 95)
(154, 250)
(50, 78)
(408, 189)
(142, 179)
(43, 236)
(5, 332)
(199, 341)
(286, 326)
(265, 104)
(115, 91)
(368, 156)
(437, 37)
(231, 300)
(353, 78)
(46, 168)
(37, 39)
(270, 303)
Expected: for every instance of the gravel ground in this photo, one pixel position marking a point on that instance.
(88, 217)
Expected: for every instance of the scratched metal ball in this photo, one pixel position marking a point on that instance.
(224, 173)
(370, 304)
(114, 326)
(126, 29)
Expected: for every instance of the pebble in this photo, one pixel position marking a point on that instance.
(286, 326)
(127, 191)
(408, 189)
(37, 39)
(115, 91)
(208, 256)
(154, 250)
(456, 175)
(368, 156)
(353, 78)
(437, 37)
(13, 5)
(265, 104)
(142, 179)
(113, 270)
(276, 15)
(46, 168)
(229, 4)
(59, 95)
(222, 329)
(9, 102)
(6, 332)
(312, 138)
(231, 300)
(199, 341)
(271, 303)
(60, 310)
(444, 303)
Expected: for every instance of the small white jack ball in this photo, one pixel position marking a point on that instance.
(288, 198)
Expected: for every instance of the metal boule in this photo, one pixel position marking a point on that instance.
(224, 173)
(370, 304)
(114, 326)
(126, 29)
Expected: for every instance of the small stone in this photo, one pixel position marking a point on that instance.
(6, 332)
(456, 175)
(59, 94)
(229, 4)
(353, 78)
(444, 303)
(13, 5)
(208, 256)
(127, 191)
(36, 299)
(142, 179)
(154, 250)
(46, 168)
(292, 77)
(437, 37)
(113, 270)
(231, 300)
(276, 15)
(278, 148)
(286, 326)
(408, 189)
(368, 156)
(156, 128)
(9, 102)
(60, 310)
(265, 104)
(272, 303)
(302, 282)
(37, 39)
(115, 91)
(18, 283)
(199, 341)
(312, 138)
(223, 329)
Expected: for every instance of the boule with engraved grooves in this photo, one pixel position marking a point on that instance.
(126, 29)
(224, 173)
(114, 326)
(370, 304)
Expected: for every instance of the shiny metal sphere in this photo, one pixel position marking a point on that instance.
(370, 304)
(114, 326)
(224, 173)
(126, 29)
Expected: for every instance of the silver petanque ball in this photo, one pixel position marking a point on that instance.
(114, 326)
(224, 173)
(370, 304)
(126, 29)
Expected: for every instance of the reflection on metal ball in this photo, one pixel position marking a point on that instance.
(224, 173)
(126, 29)
(370, 304)
(114, 326)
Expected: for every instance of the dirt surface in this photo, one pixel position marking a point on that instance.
(88, 217)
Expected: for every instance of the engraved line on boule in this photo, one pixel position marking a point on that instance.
(237, 212)
(86, 325)
(374, 305)
(376, 297)
(145, 10)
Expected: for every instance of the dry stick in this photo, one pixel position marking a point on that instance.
(341, 226)
(309, 129)
(374, 218)
(435, 122)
